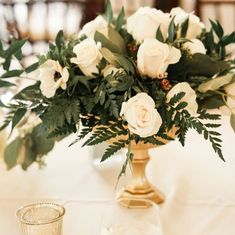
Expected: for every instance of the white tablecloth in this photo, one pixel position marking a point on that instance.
(199, 187)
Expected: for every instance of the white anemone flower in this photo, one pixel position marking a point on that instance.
(52, 76)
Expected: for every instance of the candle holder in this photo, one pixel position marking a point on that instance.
(41, 219)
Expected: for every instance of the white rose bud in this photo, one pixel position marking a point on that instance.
(230, 90)
(52, 77)
(110, 69)
(88, 56)
(98, 24)
(141, 115)
(195, 46)
(145, 22)
(195, 26)
(189, 97)
(153, 58)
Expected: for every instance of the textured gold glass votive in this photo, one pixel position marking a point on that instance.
(41, 219)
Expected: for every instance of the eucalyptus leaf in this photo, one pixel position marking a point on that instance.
(217, 28)
(105, 42)
(109, 12)
(59, 41)
(184, 27)
(42, 144)
(228, 39)
(120, 19)
(159, 35)
(14, 47)
(32, 67)
(171, 30)
(6, 84)
(12, 73)
(197, 65)
(109, 56)
(11, 153)
(117, 39)
(19, 114)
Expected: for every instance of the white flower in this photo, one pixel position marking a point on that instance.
(141, 115)
(145, 22)
(88, 56)
(153, 58)
(52, 77)
(230, 90)
(215, 83)
(195, 26)
(110, 69)
(195, 46)
(189, 97)
(98, 24)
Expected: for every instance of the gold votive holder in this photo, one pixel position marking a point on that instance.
(41, 219)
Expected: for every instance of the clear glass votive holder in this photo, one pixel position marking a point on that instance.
(41, 219)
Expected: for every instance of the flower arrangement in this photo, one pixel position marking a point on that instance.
(127, 80)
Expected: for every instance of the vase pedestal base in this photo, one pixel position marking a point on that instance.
(139, 199)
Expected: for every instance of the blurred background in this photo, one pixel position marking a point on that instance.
(40, 20)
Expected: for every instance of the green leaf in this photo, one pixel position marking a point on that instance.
(181, 105)
(29, 93)
(213, 102)
(59, 41)
(12, 152)
(159, 35)
(113, 148)
(99, 37)
(217, 28)
(19, 114)
(232, 121)
(120, 19)
(12, 73)
(227, 39)
(32, 67)
(110, 57)
(184, 27)
(125, 63)
(117, 39)
(171, 30)
(84, 80)
(6, 84)
(42, 144)
(15, 46)
(109, 12)
(176, 98)
(29, 154)
(197, 65)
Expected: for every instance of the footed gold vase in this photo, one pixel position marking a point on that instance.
(139, 188)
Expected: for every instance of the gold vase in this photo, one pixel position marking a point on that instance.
(139, 190)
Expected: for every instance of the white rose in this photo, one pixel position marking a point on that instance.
(110, 69)
(195, 46)
(153, 58)
(88, 56)
(189, 97)
(141, 115)
(52, 77)
(230, 90)
(195, 26)
(98, 24)
(145, 22)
